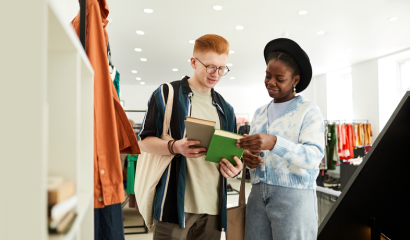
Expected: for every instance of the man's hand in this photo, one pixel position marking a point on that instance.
(228, 170)
(183, 147)
(251, 160)
(257, 142)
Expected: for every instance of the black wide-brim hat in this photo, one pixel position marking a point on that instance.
(291, 47)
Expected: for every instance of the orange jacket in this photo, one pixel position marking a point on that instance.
(112, 131)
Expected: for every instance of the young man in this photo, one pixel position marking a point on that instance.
(192, 205)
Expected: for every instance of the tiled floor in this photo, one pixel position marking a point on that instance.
(132, 218)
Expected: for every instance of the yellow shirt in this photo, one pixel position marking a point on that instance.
(202, 179)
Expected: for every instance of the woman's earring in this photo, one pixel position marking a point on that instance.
(294, 90)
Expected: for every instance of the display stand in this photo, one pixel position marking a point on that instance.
(373, 203)
(48, 75)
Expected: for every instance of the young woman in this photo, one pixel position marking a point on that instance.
(283, 150)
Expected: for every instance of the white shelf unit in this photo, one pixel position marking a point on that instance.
(49, 128)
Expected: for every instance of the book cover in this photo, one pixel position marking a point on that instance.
(200, 130)
(65, 224)
(223, 145)
(60, 209)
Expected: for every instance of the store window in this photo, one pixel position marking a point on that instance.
(339, 95)
(404, 78)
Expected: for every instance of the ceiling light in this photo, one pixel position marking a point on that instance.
(138, 49)
(216, 7)
(229, 64)
(320, 33)
(231, 52)
(393, 18)
(232, 78)
(147, 10)
(134, 71)
(138, 78)
(191, 41)
(143, 59)
(140, 32)
(142, 83)
(175, 69)
(302, 12)
(239, 27)
(349, 49)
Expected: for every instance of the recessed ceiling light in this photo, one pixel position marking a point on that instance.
(302, 12)
(229, 64)
(191, 41)
(138, 78)
(134, 71)
(143, 59)
(175, 69)
(239, 27)
(138, 49)
(216, 7)
(231, 52)
(393, 18)
(142, 83)
(320, 33)
(147, 10)
(232, 78)
(349, 49)
(140, 32)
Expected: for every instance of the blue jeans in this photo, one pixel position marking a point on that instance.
(108, 223)
(281, 213)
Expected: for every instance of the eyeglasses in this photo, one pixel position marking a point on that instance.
(212, 69)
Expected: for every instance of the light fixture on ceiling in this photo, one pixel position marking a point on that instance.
(138, 78)
(216, 7)
(232, 78)
(134, 71)
(231, 52)
(349, 49)
(147, 10)
(393, 19)
(239, 27)
(303, 12)
(229, 64)
(191, 41)
(143, 59)
(175, 69)
(138, 49)
(142, 83)
(320, 33)
(140, 32)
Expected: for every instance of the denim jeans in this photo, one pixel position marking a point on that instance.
(281, 213)
(108, 223)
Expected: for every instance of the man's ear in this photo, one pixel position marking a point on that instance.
(193, 61)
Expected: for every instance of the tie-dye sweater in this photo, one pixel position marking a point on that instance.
(294, 160)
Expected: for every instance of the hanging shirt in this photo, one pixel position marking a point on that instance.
(202, 177)
(276, 109)
(112, 130)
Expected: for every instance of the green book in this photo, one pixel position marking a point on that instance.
(223, 145)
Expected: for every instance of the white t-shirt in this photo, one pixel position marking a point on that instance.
(276, 109)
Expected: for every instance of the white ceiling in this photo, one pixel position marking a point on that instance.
(360, 25)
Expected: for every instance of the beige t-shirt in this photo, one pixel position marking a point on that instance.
(202, 179)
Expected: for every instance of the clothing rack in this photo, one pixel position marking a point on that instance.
(347, 121)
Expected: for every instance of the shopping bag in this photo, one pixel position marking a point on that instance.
(237, 215)
(150, 168)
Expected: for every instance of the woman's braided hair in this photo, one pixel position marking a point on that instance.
(287, 59)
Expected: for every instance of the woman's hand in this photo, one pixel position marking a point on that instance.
(257, 142)
(251, 160)
(228, 170)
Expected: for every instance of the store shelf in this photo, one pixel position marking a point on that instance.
(84, 203)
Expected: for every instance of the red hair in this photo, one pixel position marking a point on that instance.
(211, 42)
